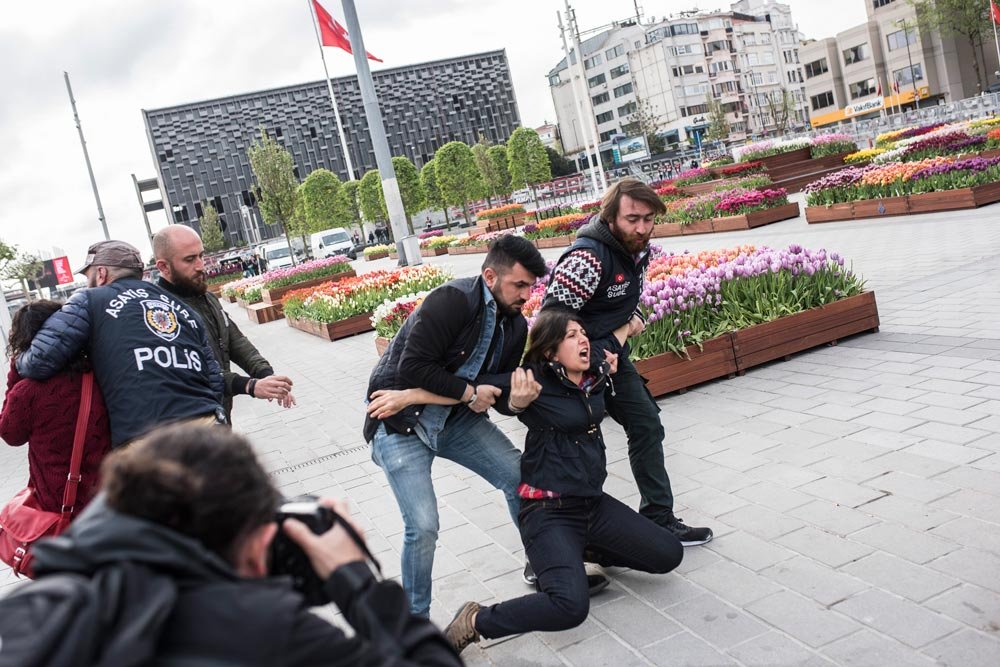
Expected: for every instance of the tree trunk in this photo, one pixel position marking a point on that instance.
(288, 240)
(447, 220)
(409, 224)
(24, 288)
(534, 197)
(975, 62)
(465, 210)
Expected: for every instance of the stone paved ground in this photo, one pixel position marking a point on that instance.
(854, 490)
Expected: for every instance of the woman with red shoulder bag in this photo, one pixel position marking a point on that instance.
(65, 423)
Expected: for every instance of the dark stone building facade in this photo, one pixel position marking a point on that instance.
(200, 149)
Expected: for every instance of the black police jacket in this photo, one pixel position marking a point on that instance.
(150, 353)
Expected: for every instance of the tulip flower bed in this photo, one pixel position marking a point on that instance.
(502, 217)
(390, 315)
(437, 245)
(555, 232)
(692, 176)
(900, 188)
(377, 252)
(255, 289)
(969, 138)
(337, 310)
(718, 313)
(831, 144)
(236, 290)
(725, 210)
(431, 234)
(480, 243)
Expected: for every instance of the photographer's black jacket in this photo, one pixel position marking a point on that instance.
(149, 350)
(118, 590)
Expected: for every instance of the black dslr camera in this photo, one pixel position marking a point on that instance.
(288, 559)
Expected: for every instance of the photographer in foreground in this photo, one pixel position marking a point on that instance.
(169, 565)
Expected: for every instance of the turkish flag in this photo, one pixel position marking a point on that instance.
(334, 34)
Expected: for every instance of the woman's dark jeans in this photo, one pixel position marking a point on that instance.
(556, 532)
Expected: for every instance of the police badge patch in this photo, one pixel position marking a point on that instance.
(160, 319)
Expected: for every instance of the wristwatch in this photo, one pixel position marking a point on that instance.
(473, 399)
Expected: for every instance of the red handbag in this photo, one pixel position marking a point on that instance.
(23, 522)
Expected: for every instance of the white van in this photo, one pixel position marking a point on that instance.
(332, 242)
(276, 254)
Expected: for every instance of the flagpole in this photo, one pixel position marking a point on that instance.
(333, 98)
(993, 19)
(86, 158)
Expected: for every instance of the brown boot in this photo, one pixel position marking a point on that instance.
(462, 630)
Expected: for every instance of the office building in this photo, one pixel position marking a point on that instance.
(200, 149)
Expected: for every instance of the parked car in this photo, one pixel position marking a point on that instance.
(332, 242)
(276, 254)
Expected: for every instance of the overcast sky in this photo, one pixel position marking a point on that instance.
(126, 56)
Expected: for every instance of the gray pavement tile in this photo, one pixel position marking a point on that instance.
(603, 650)
(914, 462)
(761, 521)
(901, 619)
(839, 426)
(888, 422)
(716, 622)
(841, 492)
(914, 546)
(523, 651)
(560, 640)
(824, 547)
(748, 550)
(984, 481)
(971, 565)
(867, 649)
(775, 649)
(949, 415)
(491, 561)
(948, 386)
(815, 581)
(971, 605)
(900, 577)
(710, 501)
(803, 619)
(734, 582)
(846, 469)
(833, 518)
(911, 486)
(662, 590)
(635, 622)
(685, 650)
(784, 474)
(946, 451)
(972, 503)
(966, 649)
(889, 405)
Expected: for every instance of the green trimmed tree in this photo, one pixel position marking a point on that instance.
(432, 193)
(348, 209)
(560, 165)
(371, 199)
(969, 19)
(527, 160)
(718, 124)
(277, 186)
(211, 230)
(320, 200)
(498, 157)
(410, 189)
(19, 266)
(457, 175)
(480, 153)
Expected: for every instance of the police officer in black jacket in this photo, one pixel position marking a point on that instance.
(150, 353)
(601, 277)
(180, 258)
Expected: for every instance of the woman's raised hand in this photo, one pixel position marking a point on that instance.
(523, 389)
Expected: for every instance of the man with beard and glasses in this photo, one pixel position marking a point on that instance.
(450, 352)
(151, 356)
(601, 277)
(180, 257)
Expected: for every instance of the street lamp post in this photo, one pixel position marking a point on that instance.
(902, 23)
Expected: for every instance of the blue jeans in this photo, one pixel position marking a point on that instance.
(557, 532)
(469, 439)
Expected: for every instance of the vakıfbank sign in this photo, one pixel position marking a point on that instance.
(867, 106)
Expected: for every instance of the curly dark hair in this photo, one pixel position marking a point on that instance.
(26, 323)
(547, 333)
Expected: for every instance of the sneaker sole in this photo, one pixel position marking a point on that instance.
(695, 543)
(529, 582)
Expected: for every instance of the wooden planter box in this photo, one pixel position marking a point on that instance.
(943, 200)
(381, 344)
(989, 193)
(555, 241)
(243, 303)
(393, 255)
(216, 289)
(772, 215)
(787, 335)
(277, 294)
(334, 330)
(667, 229)
(699, 227)
(785, 159)
(433, 252)
(262, 313)
(876, 208)
(831, 213)
(375, 256)
(229, 298)
(506, 222)
(665, 373)
(707, 186)
(467, 250)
